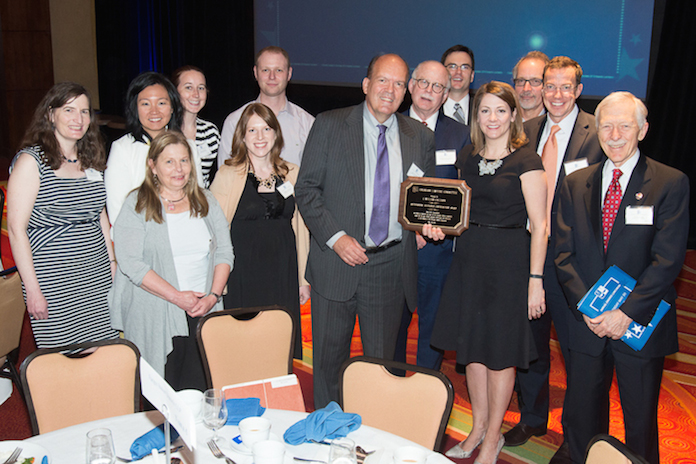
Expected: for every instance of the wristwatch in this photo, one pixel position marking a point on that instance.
(219, 297)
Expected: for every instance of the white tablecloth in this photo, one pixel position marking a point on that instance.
(67, 446)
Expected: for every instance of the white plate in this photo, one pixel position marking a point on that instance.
(241, 448)
(29, 450)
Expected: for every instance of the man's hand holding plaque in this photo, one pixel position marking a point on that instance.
(444, 203)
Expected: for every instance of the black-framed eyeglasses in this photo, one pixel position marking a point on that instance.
(424, 84)
(535, 82)
(454, 67)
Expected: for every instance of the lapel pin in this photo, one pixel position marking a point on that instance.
(639, 196)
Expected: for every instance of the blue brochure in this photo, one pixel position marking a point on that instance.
(610, 291)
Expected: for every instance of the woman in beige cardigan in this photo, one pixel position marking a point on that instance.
(255, 189)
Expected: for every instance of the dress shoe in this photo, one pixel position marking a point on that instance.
(457, 452)
(501, 443)
(562, 455)
(519, 434)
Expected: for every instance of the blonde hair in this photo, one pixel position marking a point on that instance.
(148, 193)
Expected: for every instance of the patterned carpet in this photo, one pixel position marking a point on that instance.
(677, 410)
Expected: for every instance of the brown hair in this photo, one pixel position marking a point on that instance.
(148, 193)
(506, 93)
(272, 49)
(41, 131)
(240, 156)
(560, 62)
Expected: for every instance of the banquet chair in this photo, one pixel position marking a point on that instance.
(12, 309)
(79, 383)
(246, 344)
(605, 449)
(416, 407)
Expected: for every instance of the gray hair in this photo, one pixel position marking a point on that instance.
(449, 78)
(614, 97)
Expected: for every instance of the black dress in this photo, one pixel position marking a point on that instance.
(483, 309)
(265, 255)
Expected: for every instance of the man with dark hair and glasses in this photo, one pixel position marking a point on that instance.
(566, 139)
(429, 87)
(459, 61)
(528, 78)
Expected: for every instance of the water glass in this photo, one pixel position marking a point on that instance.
(100, 447)
(342, 451)
(214, 410)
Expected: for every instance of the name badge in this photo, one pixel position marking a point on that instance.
(572, 166)
(414, 171)
(286, 189)
(93, 175)
(445, 157)
(639, 215)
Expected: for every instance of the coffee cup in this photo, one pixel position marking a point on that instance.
(268, 452)
(254, 430)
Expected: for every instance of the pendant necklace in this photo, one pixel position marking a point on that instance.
(69, 160)
(170, 203)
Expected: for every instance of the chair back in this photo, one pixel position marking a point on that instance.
(91, 381)
(246, 344)
(605, 449)
(12, 309)
(416, 407)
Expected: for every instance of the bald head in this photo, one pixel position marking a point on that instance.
(385, 85)
(429, 87)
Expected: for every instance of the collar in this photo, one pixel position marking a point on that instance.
(431, 121)
(372, 121)
(566, 123)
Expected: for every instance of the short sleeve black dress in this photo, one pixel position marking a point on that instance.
(483, 309)
(265, 255)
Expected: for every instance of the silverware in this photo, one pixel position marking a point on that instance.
(217, 453)
(13, 457)
(173, 450)
(296, 458)
(360, 450)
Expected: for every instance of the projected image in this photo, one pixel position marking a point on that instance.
(332, 42)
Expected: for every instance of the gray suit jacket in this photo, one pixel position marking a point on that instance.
(330, 193)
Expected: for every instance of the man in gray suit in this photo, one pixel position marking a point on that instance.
(361, 262)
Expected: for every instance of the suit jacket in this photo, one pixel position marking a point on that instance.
(583, 143)
(330, 192)
(651, 254)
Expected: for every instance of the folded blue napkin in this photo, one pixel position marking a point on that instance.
(327, 423)
(241, 408)
(154, 439)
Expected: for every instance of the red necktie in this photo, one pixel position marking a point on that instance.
(611, 206)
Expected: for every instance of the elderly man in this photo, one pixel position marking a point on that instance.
(459, 61)
(566, 139)
(361, 262)
(528, 78)
(429, 87)
(632, 212)
(272, 72)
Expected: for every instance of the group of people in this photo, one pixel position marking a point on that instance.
(558, 196)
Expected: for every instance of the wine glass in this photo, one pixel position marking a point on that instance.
(100, 447)
(342, 451)
(214, 410)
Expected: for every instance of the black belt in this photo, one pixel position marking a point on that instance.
(377, 249)
(497, 226)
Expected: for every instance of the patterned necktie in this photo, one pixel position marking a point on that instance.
(379, 221)
(611, 206)
(459, 113)
(549, 158)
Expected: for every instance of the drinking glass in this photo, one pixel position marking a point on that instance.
(214, 410)
(342, 451)
(100, 447)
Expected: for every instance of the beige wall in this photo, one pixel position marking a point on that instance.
(74, 42)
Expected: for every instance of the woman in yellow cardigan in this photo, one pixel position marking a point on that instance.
(255, 189)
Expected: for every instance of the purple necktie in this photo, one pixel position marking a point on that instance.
(379, 222)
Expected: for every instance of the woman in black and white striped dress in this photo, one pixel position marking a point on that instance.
(57, 223)
(192, 88)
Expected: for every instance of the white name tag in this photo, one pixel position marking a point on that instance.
(93, 174)
(445, 157)
(286, 189)
(572, 166)
(414, 171)
(639, 215)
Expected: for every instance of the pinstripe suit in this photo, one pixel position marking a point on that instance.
(330, 193)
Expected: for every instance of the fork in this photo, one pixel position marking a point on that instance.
(13, 457)
(217, 453)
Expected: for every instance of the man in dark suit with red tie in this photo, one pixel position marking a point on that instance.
(632, 212)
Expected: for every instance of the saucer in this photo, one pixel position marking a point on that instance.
(241, 448)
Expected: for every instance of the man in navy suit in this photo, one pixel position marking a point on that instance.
(429, 87)
(632, 212)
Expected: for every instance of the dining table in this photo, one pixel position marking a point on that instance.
(68, 445)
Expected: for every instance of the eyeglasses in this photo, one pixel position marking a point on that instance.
(424, 84)
(533, 82)
(454, 67)
(564, 89)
